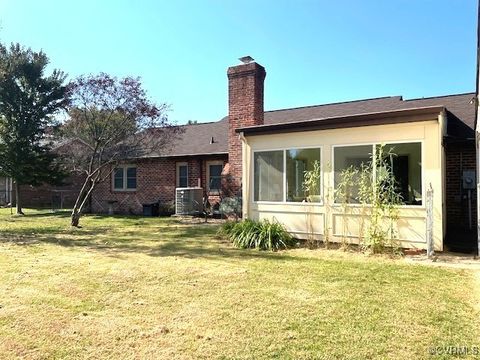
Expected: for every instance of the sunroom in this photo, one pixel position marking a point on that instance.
(278, 159)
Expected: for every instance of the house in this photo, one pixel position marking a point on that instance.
(5, 190)
(262, 156)
(45, 196)
(266, 153)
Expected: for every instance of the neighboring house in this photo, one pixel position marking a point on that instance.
(5, 191)
(46, 196)
(43, 196)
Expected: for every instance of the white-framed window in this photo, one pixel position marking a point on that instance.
(268, 175)
(303, 175)
(282, 175)
(124, 178)
(214, 175)
(354, 157)
(403, 158)
(182, 174)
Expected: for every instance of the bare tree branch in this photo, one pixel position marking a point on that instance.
(116, 122)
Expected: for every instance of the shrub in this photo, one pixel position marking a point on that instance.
(262, 235)
(226, 228)
(231, 206)
(166, 209)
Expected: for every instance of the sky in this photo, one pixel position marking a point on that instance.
(314, 52)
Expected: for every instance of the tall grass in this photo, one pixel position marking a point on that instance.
(262, 235)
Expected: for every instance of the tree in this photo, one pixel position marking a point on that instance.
(29, 101)
(113, 120)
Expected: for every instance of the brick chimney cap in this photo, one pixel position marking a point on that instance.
(246, 59)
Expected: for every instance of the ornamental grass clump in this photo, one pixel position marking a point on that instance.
(261, 235)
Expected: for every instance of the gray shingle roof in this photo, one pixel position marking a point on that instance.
(459, 108)
(196, 139)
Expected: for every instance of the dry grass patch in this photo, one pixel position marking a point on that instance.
(130, 287)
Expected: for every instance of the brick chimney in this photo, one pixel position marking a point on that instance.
(245, 106)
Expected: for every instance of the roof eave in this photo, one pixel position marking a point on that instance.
(340, 122)
(181, 155)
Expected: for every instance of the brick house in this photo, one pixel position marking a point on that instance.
(437, 127)
(205, 150)
(201, 156)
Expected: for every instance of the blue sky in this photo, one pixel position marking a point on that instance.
(314, 51)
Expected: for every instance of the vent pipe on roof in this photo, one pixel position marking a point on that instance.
(246, 59)
(212, 140)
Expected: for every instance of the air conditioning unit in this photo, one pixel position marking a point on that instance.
(188, 201)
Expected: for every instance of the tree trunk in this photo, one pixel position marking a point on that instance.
(17, 199)
(75, 218)
(82, 199)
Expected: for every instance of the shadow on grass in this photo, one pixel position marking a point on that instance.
(47, 213)
(167, 239)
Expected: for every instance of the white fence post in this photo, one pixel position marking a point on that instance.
(429, 230)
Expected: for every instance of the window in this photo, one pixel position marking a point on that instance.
(404, 160)
(214, 175)
(182, 175)
(354, 157)
(406, 165)
(299, 163)
(268, 176)
(125, 178)
(118, 179)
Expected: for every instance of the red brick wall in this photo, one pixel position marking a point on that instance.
(245, 107)
(156, 182)
(459, 157)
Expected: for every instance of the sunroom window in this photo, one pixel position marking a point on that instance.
(303, 164)
(404, 160)
(268, 176)
(350, 157)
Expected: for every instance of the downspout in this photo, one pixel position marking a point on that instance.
(245, 177)
(442, 118)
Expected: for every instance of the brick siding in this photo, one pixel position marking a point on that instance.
(48, 196)
(245, 107)
(156, 182)
(459, 157)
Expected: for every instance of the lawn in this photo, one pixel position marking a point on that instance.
(154, 288)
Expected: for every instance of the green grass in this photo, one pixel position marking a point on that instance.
(131, 287)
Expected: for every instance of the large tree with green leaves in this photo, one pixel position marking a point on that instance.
(29, 101)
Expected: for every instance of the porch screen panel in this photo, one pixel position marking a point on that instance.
(353, 157)
(268, 176)
(405, 160)
(299, 161)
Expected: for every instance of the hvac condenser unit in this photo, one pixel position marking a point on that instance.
(188, 201)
